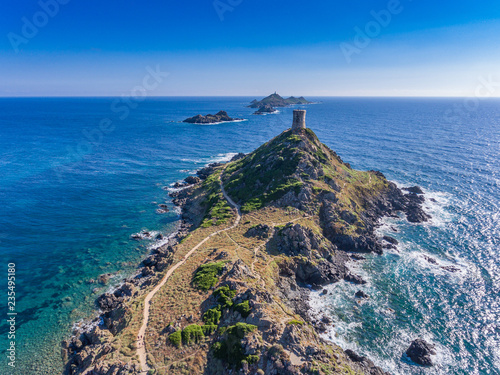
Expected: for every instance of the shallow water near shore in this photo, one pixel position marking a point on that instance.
(72, 197)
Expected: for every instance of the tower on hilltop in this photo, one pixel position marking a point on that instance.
(299, 120)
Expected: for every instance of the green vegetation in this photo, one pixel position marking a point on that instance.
(266, 174)
(218, 210)
(212, 316)
(295, 322)
(252, 359)
(176, 338)
(208, 329)
(243, 308)
(206, 276)
(192, 334)
(225, 296)
(229, 348)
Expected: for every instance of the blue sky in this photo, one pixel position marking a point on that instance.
(250, 47)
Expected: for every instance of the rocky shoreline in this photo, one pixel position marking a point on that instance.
(79, 351)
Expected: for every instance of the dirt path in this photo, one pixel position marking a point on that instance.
(141, 349)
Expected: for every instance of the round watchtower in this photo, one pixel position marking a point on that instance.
(299, 120)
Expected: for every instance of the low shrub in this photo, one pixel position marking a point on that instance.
(176, 338)
(207, 275)
(212, 316)
(243, 308)
(209, 329)
(225, 296)
(229, 349)
(192, 334)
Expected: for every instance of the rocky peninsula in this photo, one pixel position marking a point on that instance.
(229, 293)
(220, 116)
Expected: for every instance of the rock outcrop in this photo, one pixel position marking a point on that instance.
(420, 352)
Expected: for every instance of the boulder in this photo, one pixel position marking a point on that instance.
(391, 240)
(361, 294)
(414, 190)
(420, 352)
(355, 279)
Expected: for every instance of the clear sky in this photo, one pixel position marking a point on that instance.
(250, 47)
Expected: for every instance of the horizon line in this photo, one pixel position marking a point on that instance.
(247, 96)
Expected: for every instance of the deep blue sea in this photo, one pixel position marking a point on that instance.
(78, 178)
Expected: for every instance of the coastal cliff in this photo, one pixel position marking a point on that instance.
(229, 293)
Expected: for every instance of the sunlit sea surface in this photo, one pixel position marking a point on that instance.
(72, 194)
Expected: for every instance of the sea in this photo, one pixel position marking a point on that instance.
(79, 177)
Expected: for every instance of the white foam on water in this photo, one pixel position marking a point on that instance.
(219, 158)
(340, 332)
(221, 122)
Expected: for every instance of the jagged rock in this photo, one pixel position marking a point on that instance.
(414, 189)
(355, 279)
(420, 352)
(430, 259)
(260, 230)
(107, 301)
(238, 156)
(367, 365)
(357, 257)
(207, 171)
(191, 180)
(391, 240)
(361, 294)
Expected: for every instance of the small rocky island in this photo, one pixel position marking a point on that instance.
(265, 109)
(220, 116)
(267, 104)
(229, 293)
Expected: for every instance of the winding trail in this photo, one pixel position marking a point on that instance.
(141, 349)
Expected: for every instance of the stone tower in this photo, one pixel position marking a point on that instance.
(299, 120)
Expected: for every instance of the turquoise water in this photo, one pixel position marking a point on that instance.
(72, 194)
